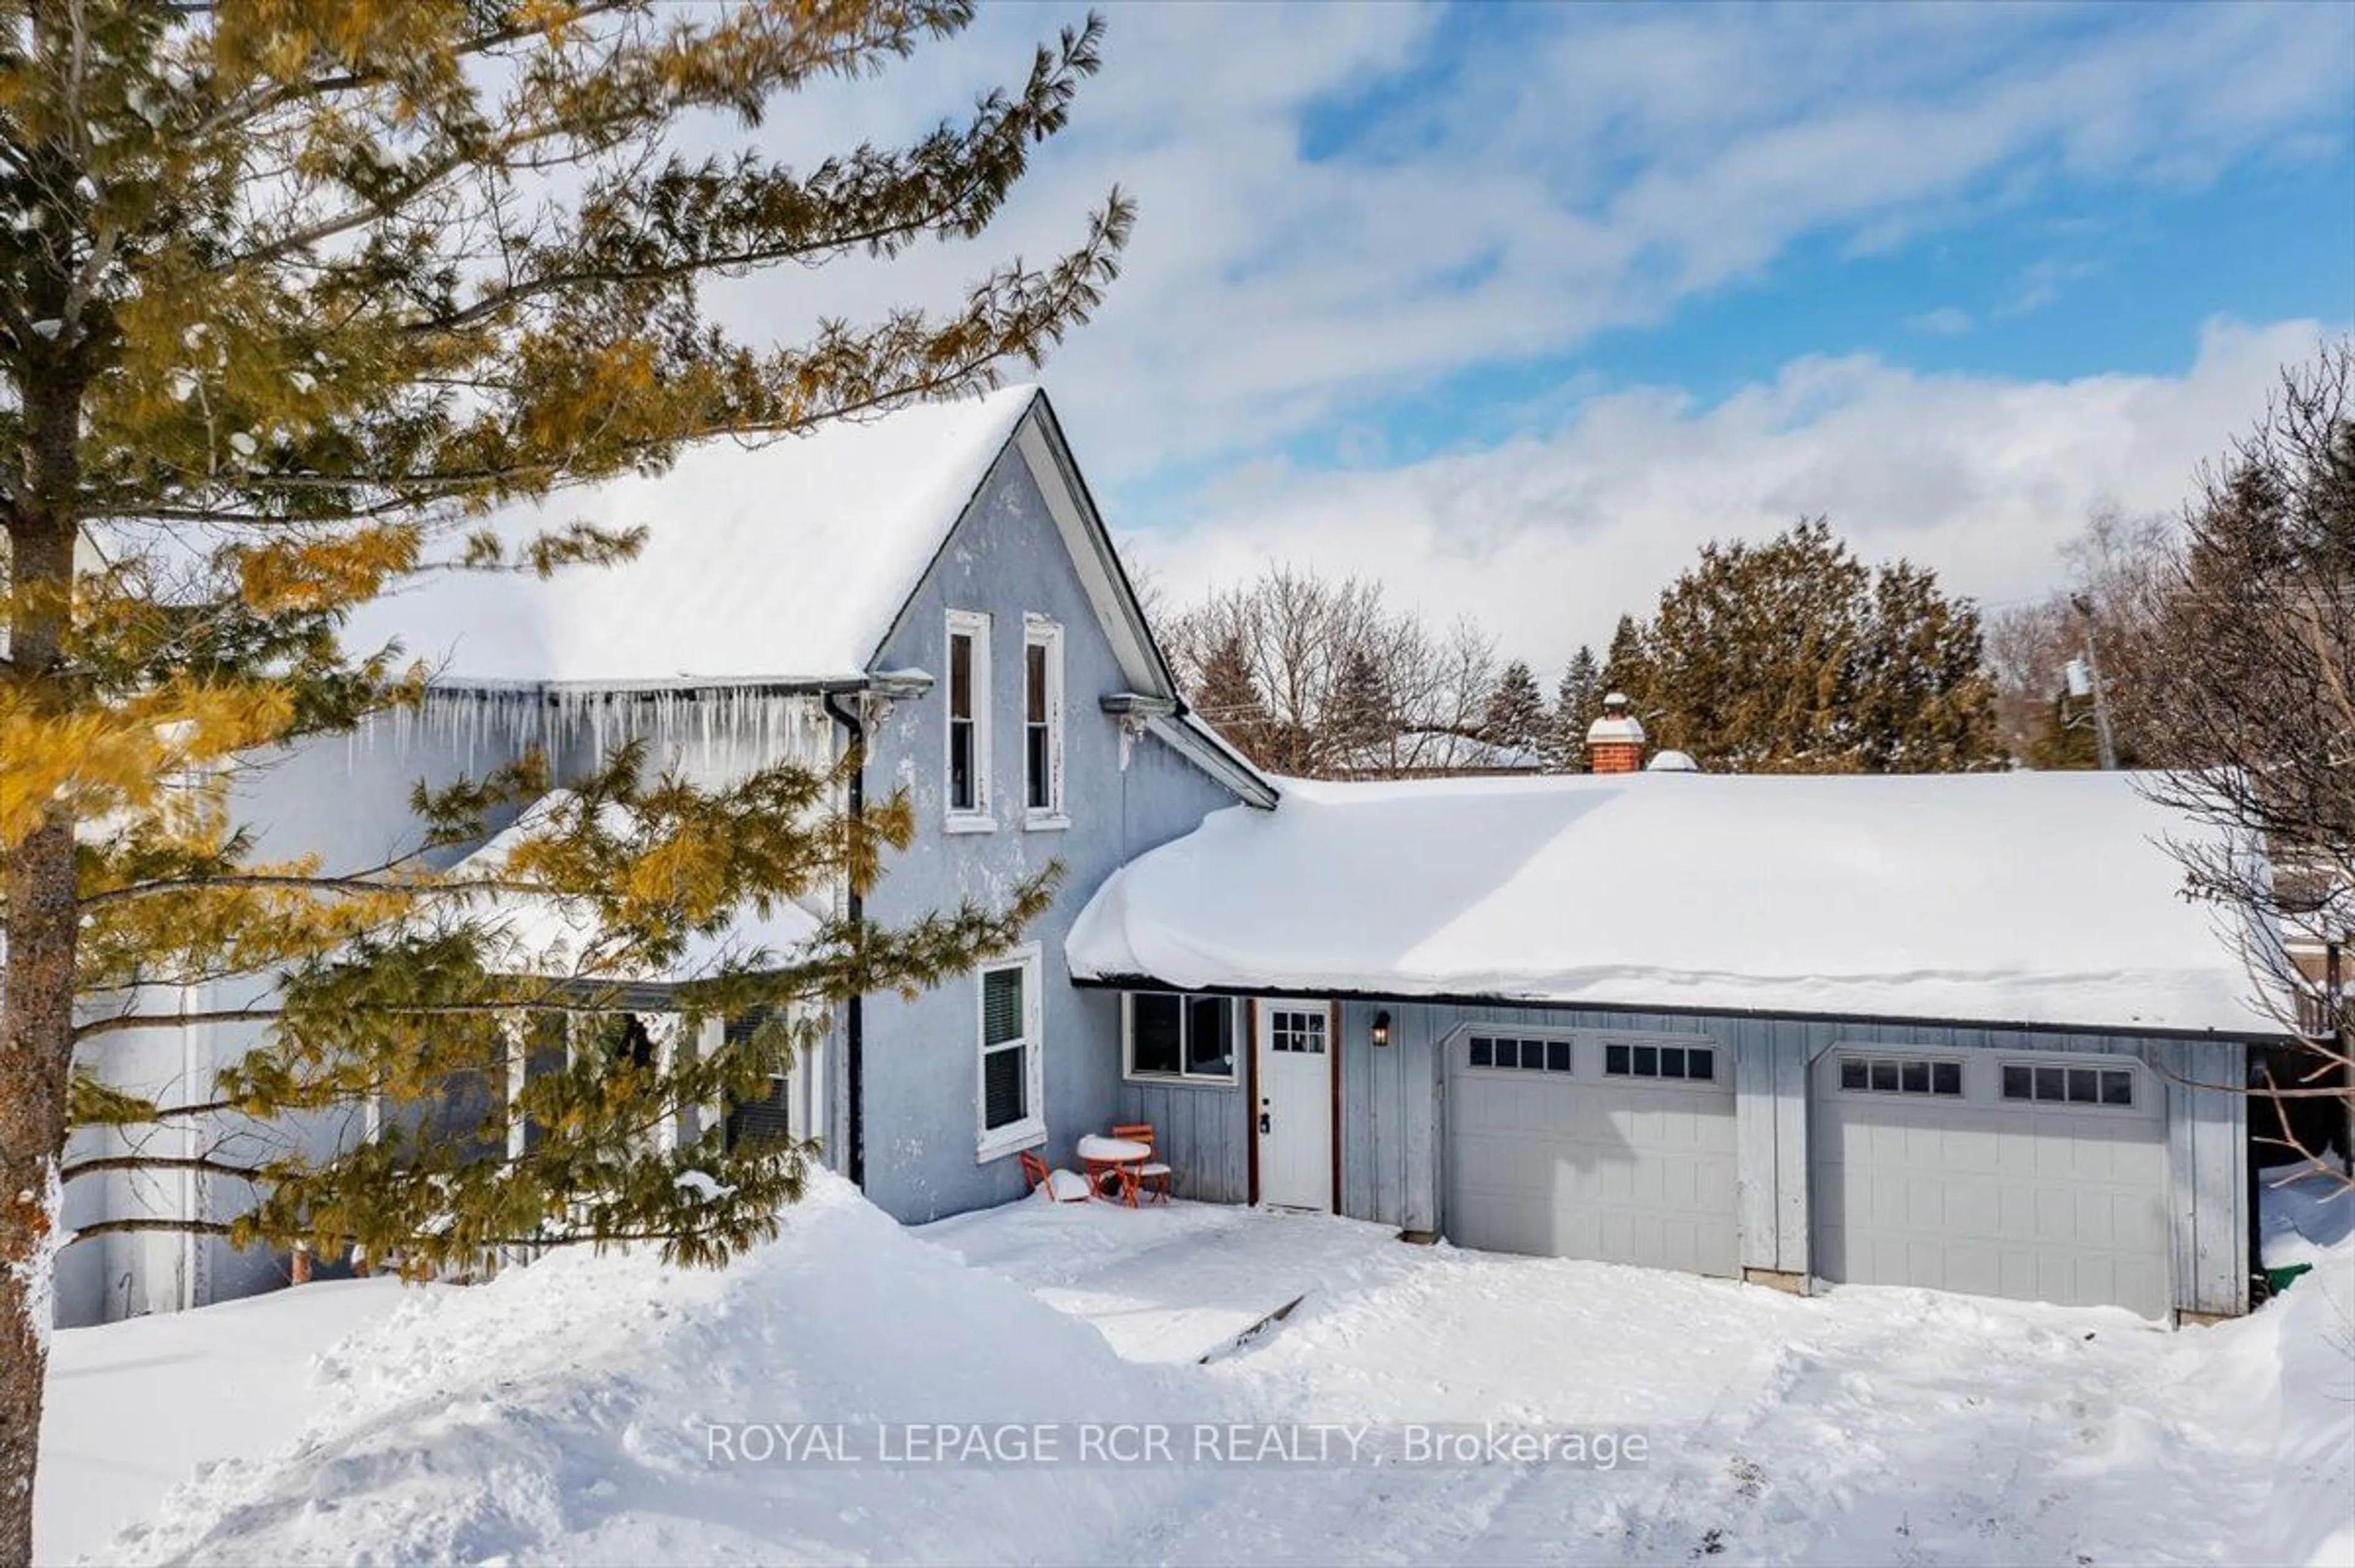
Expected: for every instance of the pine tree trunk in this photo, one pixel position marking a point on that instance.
(36, 992)
(35, 1053)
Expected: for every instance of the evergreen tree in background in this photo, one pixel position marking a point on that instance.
(1626, 669)
(2066, 738)
(1793, 656)
(1576, 701)
(1924, 700)
(1227, 695)
(292, 297)
(1361, 722)
(1516, 717)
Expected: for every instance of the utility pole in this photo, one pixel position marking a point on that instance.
(2103, 737)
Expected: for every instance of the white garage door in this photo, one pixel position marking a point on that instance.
(2035, 1177)
(1613, 1147)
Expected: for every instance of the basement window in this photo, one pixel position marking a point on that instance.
(1186, 1038)
(1919, 1075)
(1693, 1064)
(2039, 1084)
(1519, 1052)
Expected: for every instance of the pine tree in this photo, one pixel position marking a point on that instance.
(1576, 701)
(1359, 732)
(1227, 694)
(1924, 700)
(1628, 667)
(2066, 738)
(1793, 656)
(291, 297)
(1516, 717)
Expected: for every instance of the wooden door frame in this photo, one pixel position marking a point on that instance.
(1251, 1097)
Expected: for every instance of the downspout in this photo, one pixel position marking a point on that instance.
(854, 1010)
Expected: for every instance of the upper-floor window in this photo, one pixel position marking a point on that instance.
(968, 717)
(1042, 723)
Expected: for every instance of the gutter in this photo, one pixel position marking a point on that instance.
(854, 1010)
(1475, 1000)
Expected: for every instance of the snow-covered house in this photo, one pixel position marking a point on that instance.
(937, 583)
(1953, 1031)
(1957, 1031)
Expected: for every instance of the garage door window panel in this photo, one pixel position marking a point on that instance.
(1517, 1054)
(1919, 1076)
(1669, 1064)
(2089, 1087)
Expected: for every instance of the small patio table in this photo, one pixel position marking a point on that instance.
(1116, 1157)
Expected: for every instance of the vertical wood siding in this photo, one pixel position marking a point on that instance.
(1393, 1163)
(1202, 1131)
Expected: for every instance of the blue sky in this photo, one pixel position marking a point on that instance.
(1512, 308)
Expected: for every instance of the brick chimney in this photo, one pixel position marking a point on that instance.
(1615, 743)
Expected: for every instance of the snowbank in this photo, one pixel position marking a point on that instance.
(559, 1414)
(136, 1408)
(2007, 898)
(785, 561)
(562, 1414)
(2300, 1352)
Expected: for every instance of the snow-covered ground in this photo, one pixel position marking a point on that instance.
(561, 1413)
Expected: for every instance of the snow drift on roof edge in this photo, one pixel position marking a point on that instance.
(788, 560)
(2012, 898)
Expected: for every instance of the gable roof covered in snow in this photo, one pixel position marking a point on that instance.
(1997, 898)
(788, 560)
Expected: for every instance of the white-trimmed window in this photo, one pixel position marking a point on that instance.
(1671, 1062)
(1528, 1054)
(967, 709)
(1042, 725)
(1008, 1092)
(2048, 1083)
(1918, 1075)
(1192, 1038)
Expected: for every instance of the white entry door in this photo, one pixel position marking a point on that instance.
(1295, 1104)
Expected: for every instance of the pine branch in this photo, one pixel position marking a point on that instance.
(102, 1164)
(146, 1226)
(347, 885)
(123, 1023)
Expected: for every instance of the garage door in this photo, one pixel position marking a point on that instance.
(1613, 1147)
(2036, 1177)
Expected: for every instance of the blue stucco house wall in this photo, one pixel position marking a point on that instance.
(1123, 794)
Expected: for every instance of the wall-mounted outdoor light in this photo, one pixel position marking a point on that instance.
(1381, 1029)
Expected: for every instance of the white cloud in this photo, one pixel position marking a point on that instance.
(1545, 541)
(1496, 193)
(1947, 321)
(1347, 206)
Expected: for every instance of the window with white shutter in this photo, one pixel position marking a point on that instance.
(1008, 1092)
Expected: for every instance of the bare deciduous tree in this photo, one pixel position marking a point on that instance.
(1345, 685)
(2117, 566)
(2252, 687)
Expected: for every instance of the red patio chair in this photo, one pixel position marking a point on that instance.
(1152, 1175)
(1035, 1174)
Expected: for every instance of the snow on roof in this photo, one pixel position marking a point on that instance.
(545, 936)
(2000, 898)
(788, 560)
